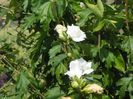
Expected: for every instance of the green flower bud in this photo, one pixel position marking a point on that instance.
(74, 84)
(69, 54)
(82, 83)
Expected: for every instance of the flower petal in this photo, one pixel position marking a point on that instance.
(75, 33)
(88, 71)
(79, 67)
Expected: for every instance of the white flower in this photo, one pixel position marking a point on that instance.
(79, 67)
(75, 33)
(60, 29)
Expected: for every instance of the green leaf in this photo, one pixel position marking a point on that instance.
(130, 86)
(100, 6)
(119, 62)
(124, 81)
(94, 51)
(110, 22)
(110, 59)
(25, 4)
(54, 50)
(131, 95)
(103, 53)
(54, 93)
(131, 48)
(86, 48)
(44, 11)
(57, 59)
(107, 78)
(97, 9)
(125, 85)
(122, 92)
(94, 9)
(84, 15)
(105, 97)
(61, 69)
(28, 21)
(99, 26)
(127, 45)
(52, 13)
(23, 81)
(61, 6)
(36, 49)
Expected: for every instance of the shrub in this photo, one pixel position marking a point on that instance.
(79, 49)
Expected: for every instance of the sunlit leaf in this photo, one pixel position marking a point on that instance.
(99, 26)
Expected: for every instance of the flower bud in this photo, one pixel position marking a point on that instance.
(82, 83)
(61, 31)
(82, 4)
(93, 88)
(74, 84)
(69, 54)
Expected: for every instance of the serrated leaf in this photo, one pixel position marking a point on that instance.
(54, 93)
(44, 11)
(128, 47)
(23, 81)
(28, 22)
(54, 50)
(84, 15)
(57, 59)
(124, 81)
(125, 85)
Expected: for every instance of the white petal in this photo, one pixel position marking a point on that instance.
(75, 69)
(88, 71)
(79, 67)
(75, 33)
(87, 65)
(82, 62)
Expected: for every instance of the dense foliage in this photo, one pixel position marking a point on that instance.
(34, 59)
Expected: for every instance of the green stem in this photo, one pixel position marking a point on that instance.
(99, 42)
(126, 12)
